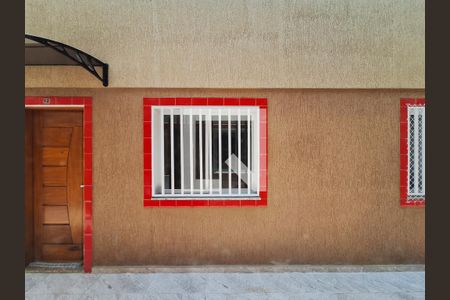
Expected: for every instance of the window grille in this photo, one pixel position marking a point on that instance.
(416, 152)
(205, 152)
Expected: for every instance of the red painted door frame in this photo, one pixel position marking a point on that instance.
(85, 103)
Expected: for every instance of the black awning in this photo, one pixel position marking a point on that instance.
(44, 52)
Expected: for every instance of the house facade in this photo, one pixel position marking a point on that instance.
(274, 132)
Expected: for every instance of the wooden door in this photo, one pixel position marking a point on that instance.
(58, 176)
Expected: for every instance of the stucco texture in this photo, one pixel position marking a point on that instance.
(236, 44)
(333, 186)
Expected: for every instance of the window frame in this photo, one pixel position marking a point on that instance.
(150, 201)
(404, 153)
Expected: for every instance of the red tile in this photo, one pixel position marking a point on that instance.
(404, 146)
(403, 178)
(263, 162)
(403, 162)
(77, 100)
(262, 202)
(87, 191)
(199, 101)
(87, 115)
(405, 102)
(147, 113)
(403, 114)
(87, 145)
(263, 146)
(147, 177)
(87, 261)
(183, 101)
(63, 100)
(403, 192)
(248, 202)
(151, 101)
(403, 130)
(184, 202)
(167, 101)
(87, 224)
(200, 202)
(32, 100)
(215, 101)
(231, 101)
(263, 180)
(147, 191)
(88, 242)
(147, 146)
(151, 203)
(233, 202)
(88, 161)
(263, 115)
(88, 210)
(420, 101)
(87, 101)
(147, 130)
(261, 101)
(88, 177)
(147, 161)
(88, 129)
(167, 203)
(262, 132)
(247, 101)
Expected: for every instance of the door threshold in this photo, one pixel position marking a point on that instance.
(49, 267)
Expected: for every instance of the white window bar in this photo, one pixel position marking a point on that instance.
(239, 151)
(163, 168)
(416, 150)
(210, 153)
(191, 153)
(206, 153)
(203, 184)
(249, 178)
(220, 151)
(201, 151)
(181, 152)
(229, 150)
(257, 138)
(172, 160)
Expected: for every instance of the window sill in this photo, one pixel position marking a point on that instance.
(413, 203)
(174, 202)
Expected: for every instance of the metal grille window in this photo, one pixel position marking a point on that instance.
(416, 152)
(205, 152)
(412, 152)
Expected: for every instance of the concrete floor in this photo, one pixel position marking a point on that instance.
(265, 285)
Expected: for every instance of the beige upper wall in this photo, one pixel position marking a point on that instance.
(236, 44)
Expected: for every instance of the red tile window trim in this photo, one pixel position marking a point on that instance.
(216, 101)
(86, 104)
(404, 201)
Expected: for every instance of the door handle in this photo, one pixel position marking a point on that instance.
(82, 186)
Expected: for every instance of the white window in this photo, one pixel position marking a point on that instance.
(416, 152)
(205, 151)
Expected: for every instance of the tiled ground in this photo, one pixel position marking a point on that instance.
(289, 285)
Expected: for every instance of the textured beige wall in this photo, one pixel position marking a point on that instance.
(333, 186)
(236, 44)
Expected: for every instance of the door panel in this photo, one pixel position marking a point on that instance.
(52, 156)
(55, 214)
(61, 252)
(58, 175)
(55, 195)
(56, 234)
